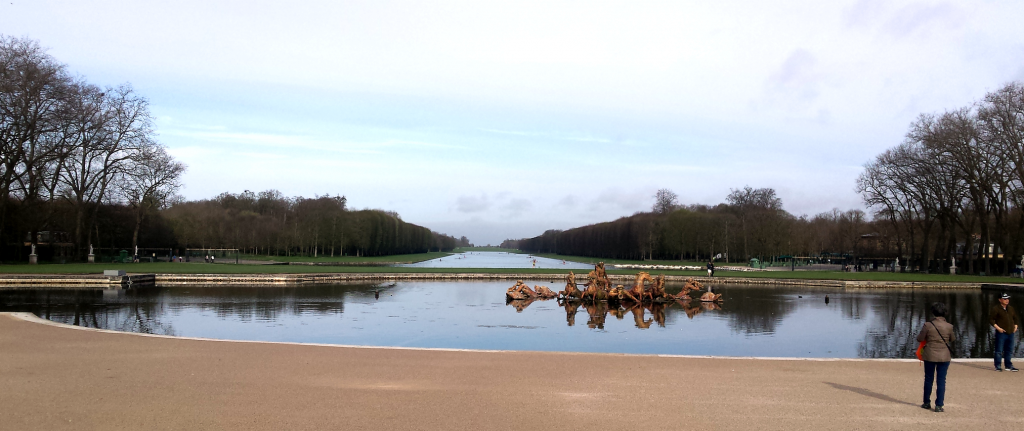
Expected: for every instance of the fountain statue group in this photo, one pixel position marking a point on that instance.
(600, 299)
(599, 288)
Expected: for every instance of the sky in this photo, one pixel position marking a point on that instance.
(497, 120)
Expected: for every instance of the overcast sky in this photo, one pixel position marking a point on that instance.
(499, 120)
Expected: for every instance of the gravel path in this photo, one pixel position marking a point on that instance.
(56, 377)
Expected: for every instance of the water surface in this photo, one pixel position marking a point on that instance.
(491, 259)
(752, 321)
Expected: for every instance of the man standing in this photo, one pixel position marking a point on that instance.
(711, 269)
(1004, 319)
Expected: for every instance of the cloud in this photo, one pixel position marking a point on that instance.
(903, 22)
(472, 204)
(516, 208)
(621, 200)
(920, 17)
(796, 76)
(568, 201)
(863, 13)
(290, 142)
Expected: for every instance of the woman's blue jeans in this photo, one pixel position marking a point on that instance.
(1004, 349)
(930, 374)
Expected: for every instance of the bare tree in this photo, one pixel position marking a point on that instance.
(760, 214)
(32, 88)
(150, 180)
(1001, 126)
(665, 201)
(105, 130)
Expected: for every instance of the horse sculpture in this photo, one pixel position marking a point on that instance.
(657, 291)
(638, 293)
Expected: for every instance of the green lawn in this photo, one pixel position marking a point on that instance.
(594, 260)
(398, 258)
(224, 268)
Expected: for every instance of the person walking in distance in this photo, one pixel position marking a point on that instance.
(711, 269)
(1004, 318)
(937, 334)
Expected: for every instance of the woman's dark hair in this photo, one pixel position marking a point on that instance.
(939, 309)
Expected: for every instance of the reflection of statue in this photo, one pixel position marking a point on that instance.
(597, 311)
(658, 312)
(520, 304)
(570, 312)
(692, 308)
(638, 317)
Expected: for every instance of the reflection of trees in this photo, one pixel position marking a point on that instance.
(139, 310)
(267, 303)
(755, 310)
(132, 311)
(901, 315)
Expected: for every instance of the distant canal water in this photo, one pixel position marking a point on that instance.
(752, 321)
(490, 259)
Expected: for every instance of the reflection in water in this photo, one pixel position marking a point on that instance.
(753, 320)
(599, 310)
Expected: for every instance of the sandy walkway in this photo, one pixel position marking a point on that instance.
(59, 378)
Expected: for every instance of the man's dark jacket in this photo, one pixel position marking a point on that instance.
(1006, 319)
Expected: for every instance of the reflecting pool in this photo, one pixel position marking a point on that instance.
(752, 320)
(491, 259)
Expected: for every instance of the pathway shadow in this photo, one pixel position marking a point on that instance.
(988, 367)
(868, 393)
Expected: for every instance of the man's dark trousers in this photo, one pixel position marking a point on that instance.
(1004, 349)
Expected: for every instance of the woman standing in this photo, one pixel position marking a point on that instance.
(937, 334)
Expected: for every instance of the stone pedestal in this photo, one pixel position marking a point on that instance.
(952, 270)
(33, 259)
(92, 258)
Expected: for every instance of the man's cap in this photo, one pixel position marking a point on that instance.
(1005, 296)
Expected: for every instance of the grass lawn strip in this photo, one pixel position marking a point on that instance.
(222, 268)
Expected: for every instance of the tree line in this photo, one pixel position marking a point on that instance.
(750, 223)
(951, 192)
(80, 169)
(268, 223)
(72, 153)
(955, 186)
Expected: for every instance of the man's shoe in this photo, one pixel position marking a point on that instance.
(998, 369)
(1014, 369)
(938, 409)
(926, 406)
